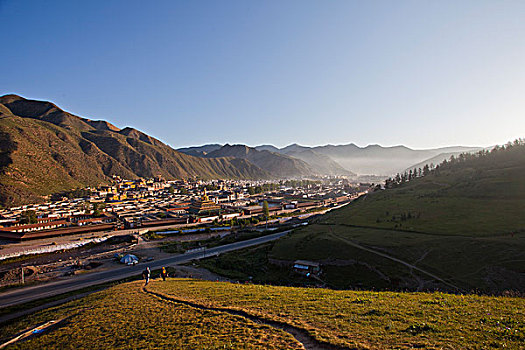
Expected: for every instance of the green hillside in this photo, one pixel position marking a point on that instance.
(464, 222)
(46, 150)
(460, 228)
(478, 196)
(192, 314)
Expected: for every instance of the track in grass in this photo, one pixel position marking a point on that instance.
(302, 336)
(123, 317)
(411, 266)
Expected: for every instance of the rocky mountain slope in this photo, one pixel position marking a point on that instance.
(44, 149)
(277, 164)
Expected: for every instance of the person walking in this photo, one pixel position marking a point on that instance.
(163, 273)
(146, 273)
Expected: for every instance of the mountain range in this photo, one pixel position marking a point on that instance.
(44, 150)
(292, 161)
(279, 165)
(350, 160)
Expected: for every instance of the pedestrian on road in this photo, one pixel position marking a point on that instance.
(146, 273)
(163, 273)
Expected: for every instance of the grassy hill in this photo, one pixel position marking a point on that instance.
(463, 223)
(480, 196)
(191, 314)
(45, 150)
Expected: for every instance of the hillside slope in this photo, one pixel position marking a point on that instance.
(193, 314)
(435, 160)
(45, 150)
(480, 195)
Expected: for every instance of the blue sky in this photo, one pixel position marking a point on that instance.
(420, 73)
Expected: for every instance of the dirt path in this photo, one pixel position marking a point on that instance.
(411, 266)
(301, 335)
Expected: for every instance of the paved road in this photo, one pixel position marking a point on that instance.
(23, 295)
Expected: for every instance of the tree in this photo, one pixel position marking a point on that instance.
(266, 212)
(397, 179)
(96, 209)
(426, 170)
(28, 217)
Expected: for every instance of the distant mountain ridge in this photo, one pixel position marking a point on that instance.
(379, 160)
(200, 151)
(307, 161)
(322, 163)
(351, 159)
(278, 164)
(44, 149)
(436, 159)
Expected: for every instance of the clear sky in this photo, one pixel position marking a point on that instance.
(419, 73)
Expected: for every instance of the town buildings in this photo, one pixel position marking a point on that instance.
(156, 202)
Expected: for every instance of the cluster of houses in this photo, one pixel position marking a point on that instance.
(156, 202)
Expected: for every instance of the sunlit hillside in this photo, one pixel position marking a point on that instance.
(183, 314)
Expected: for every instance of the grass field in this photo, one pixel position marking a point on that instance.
(473, 264)
(484, 196)
(251, 264)
(126, 317)
(487, 264)
(409, 210)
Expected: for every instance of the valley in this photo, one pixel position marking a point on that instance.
(207, 175)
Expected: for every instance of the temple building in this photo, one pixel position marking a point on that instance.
(203, 206)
